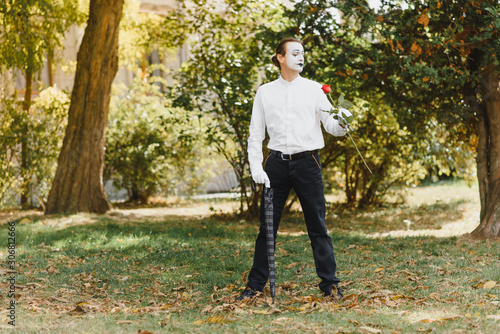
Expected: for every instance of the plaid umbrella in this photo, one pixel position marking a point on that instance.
(268, 214)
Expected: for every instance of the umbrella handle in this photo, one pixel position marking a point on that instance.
(254, 186)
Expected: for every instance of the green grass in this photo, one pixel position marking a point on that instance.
(106, 274)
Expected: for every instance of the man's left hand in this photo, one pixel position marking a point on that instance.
(344, 117)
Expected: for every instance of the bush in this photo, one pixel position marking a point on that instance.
(398, 158)
(150, 145)
(11, 119)
(43, 129)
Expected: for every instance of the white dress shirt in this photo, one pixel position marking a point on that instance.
(291, 112)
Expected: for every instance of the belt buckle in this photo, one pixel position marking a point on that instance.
(284, 155)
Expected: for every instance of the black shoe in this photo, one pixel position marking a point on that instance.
(336, 294)
(248, 293)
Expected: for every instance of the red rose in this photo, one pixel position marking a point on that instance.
(326, 89)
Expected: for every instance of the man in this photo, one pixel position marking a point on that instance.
(291, 109)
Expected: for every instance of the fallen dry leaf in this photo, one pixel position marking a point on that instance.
(207, 309)
(489, 285)
(244, 276)
(215, 319)
(493, 316)
(369, 330)
(78, 310)
(283, 252)
(281, 320)
(287, 286)
(451, 317)
(275, 310)
(7, 271)
(441, 319)
(427, 321)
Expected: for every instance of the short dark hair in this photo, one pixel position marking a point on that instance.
(281, 49)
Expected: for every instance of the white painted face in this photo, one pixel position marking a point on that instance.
(294, 57)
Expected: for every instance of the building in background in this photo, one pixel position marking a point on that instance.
(62, 74)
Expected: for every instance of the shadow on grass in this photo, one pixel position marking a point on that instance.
(175, 251)
(112, 245)
(206, 248)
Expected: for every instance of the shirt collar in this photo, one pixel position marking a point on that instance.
(289, 83)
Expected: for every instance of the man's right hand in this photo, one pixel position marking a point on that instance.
(260, 177)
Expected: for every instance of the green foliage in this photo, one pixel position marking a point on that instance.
(398, 128)
(411, 73)
(47, 125)
(222, 75)
(150, 145)
(43, 127)
(428, 59)
(390, 151)
(31, 30)
(143, 33)
(397, 158)
(227, 64)
(10, 133)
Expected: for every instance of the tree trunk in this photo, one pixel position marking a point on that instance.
(78, 185)
(488, 157)
(49, 69)
(25, 188)
(482, 154)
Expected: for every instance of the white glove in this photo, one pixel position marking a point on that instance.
(345, 117)
(260, 177)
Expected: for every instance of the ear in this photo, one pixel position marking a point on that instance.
(280, 58)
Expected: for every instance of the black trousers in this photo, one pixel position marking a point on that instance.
(304, 176)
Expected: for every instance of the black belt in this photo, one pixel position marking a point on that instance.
(296, 156)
